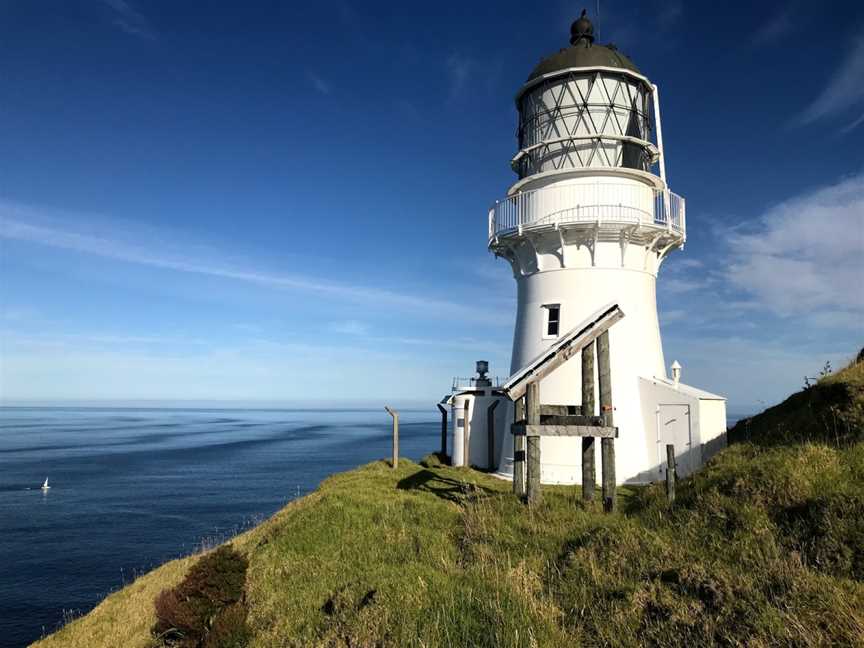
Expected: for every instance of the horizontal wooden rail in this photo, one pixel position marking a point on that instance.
(525, 429)
(576, 419)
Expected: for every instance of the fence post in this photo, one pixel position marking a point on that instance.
(588, 469)
(443, 411)
(671, 472)
(532, 408)
(490, 434)
(395, 416)
(519, 450)
(607, 446)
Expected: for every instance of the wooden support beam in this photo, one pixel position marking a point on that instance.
(607, 460)
(588, 380)
(443, 411)
(589, 471)
(671, 472)
(519, 451)
(607, 447)
(393, 413)
(528, 430)
(532, 417)
(490, 435)
(567, 346)
(576, 419)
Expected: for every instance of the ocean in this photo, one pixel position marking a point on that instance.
(133, 488)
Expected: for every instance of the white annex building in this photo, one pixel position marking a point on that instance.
(588, 223)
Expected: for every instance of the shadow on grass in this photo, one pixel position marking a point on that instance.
(447, 488)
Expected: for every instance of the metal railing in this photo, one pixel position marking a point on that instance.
(460, 384)
(589, 203)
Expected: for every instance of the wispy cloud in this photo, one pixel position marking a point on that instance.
(776, 27)
(844, 92)
(130, 19)
(319, 83)
(349, 327)
(676, 286)
(460, 69)
(670, 14)
(14, 225)
(804, 256)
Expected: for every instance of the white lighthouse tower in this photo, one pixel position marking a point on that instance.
(589, 222)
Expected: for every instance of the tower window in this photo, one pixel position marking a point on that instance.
(553, 319)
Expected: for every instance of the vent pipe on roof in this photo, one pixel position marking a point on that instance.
(676, 374)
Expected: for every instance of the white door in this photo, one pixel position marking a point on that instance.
(673, 426)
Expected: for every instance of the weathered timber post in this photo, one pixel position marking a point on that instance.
(588, 469)
(532, 417)
(519, 450)
(671, 472)
(443, 411)
(466, 437)
(490, 434)
(395, 416)
(607, 446)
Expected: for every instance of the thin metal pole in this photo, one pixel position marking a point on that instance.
(656, 95)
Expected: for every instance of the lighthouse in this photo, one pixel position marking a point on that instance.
(588, 222)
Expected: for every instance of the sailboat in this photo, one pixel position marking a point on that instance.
(45, 486)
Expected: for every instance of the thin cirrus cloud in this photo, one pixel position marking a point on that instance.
(13, 227)
(843, 93)
(459, 70)
(320, 85)
(804, 257)
(775, 28)
(129, 19)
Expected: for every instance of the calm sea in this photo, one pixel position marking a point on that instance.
(132, 488)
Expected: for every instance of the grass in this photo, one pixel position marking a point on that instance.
(763, 547)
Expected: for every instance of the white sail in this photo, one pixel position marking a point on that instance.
(45, 486)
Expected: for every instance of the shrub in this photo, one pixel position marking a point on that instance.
(206, 610)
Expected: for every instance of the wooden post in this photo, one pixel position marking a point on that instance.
(519, 450)
(532, 407)
(607, 457)
(671, 470)
(588, 445)
(466, 436)
(395, 415)
(490, 434)
(607, 446)
(443, 411)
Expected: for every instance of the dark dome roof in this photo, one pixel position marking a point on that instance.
(583, 54)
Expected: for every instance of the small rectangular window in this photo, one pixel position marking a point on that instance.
(553, 319)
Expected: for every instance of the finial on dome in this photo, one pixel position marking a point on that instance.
(582, 30)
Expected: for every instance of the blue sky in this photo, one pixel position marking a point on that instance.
(283, 202)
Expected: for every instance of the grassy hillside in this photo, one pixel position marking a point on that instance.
(765, 546)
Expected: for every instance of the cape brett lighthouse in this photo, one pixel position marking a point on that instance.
(589, 222)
